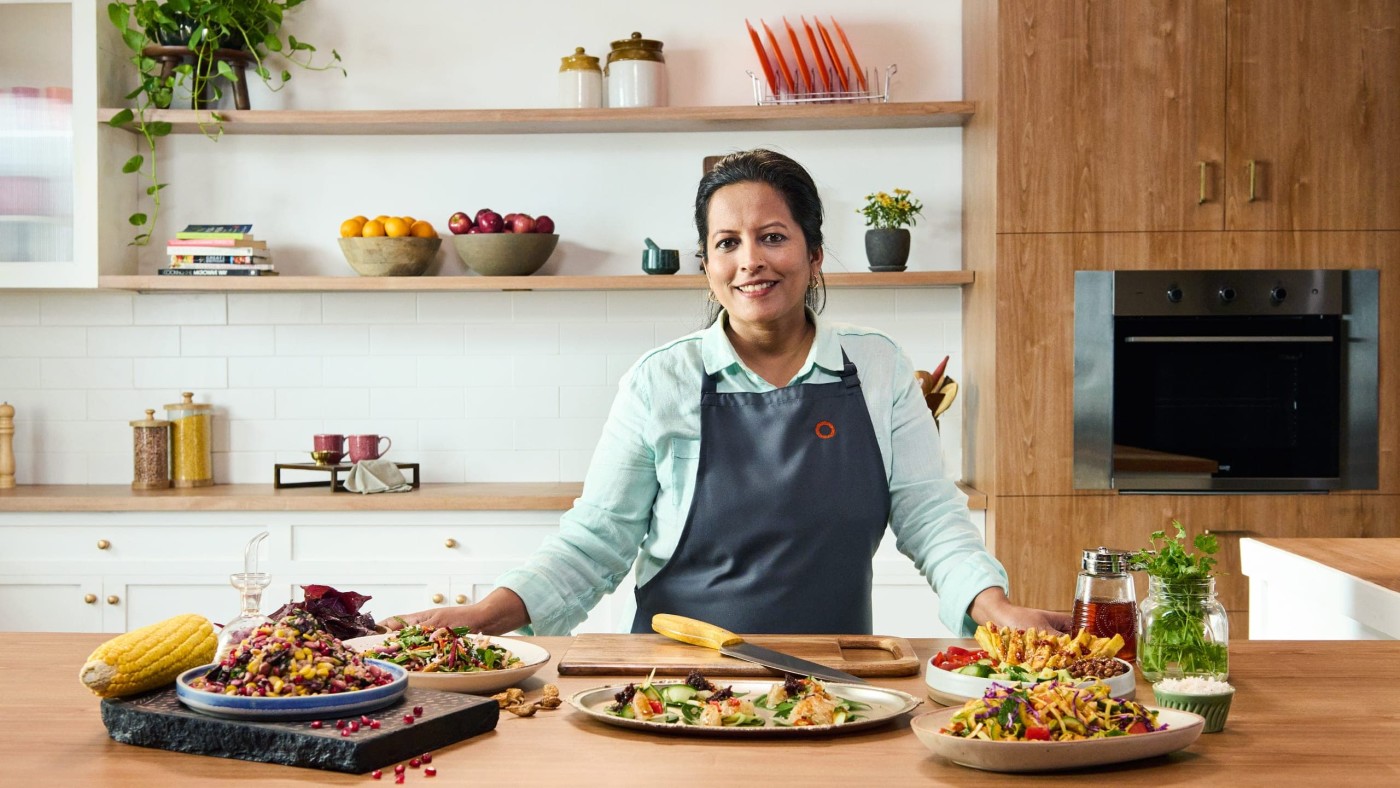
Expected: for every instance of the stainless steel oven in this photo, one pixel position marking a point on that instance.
(1226, 381)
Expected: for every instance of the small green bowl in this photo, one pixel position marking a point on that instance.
(1215, 708)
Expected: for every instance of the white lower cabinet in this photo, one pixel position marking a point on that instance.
(51, 603)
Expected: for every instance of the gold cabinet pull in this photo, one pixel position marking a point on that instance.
(90, 598)
(113, 599)
(437, 599)
(449, 543)
(461, 599)
(1253, 167)
(103, 544)
(1201, 200)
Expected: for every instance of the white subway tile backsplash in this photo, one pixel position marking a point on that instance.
(376, 371)
(558, 434)
(86, 309)
(240, 403)
(464, 307)
(252, 467)
(861, 307)
(227, 341)
(928, 303)
(653, 305)
(17, 372)
(513, 402)
(512, 339)
(274, 308)
(39, 405)
(265, 436)
(573, 465)
(424, 403)
(277, 372)
(325, 340)
(86, 373)
(130, 405)
(669, 330)
(19, 310)
(403, 432)
(181, 309)
(637, 338)
(133, 341)
(74, 436)
(512, 466)
(415, 340)
(374, 308)
(110, 467)
(44, 342)
(50, 467)
(461, 435)
(181, 373)
(322, 403)
(560, 370)
(560, 306)
(586, 402)
(470, 371)
(440, 467)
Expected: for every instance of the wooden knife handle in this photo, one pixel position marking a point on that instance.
(696, 633)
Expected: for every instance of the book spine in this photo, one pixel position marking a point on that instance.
(224, 259)
(223, 266)
(221, 242)
(214, 272)
(222, 236)
(218, 228)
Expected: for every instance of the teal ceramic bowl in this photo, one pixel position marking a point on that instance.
(1215, 708)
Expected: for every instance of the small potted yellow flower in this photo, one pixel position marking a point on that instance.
(888, 217)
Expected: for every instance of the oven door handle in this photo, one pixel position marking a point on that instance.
(1220, 339)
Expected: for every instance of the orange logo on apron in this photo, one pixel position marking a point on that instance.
(825, 430)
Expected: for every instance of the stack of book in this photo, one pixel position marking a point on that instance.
(218, 250)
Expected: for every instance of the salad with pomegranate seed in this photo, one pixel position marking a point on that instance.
(442, 650)
(289, 657)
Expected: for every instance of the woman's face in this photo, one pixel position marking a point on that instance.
(758, 264)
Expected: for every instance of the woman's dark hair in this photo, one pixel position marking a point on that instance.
(791, 181)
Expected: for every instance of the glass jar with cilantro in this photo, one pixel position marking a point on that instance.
(1182, 627)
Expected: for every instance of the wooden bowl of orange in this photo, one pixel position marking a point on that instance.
(388, 246)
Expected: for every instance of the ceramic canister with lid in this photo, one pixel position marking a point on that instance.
(580, 81)
(191, 433)
(636, 73)
(150, 453)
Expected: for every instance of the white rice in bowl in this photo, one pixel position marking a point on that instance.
(1194, 685)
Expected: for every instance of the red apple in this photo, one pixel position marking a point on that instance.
(481, 213)
(509, 217)
(489, 222)
(459, 222)
(473, 230)
(522, 223)
(544, 224)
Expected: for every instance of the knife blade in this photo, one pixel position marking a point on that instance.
(699, 633)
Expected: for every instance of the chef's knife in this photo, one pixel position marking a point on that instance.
(698, 633)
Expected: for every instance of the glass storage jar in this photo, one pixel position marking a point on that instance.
(1183, 630)
(191, 431)
(150, 453)
(636, 73)
(1105, 602)
(580, 81)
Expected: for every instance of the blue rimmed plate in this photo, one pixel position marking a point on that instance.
(299, 707)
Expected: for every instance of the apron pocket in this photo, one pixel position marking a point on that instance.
(685, 457)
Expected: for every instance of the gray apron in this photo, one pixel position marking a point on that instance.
(790, 503)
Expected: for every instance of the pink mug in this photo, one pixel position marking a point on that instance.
(366, 447)
(335, 444)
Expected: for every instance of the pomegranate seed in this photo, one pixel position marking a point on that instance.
(408, 719)
(377, 773)
(398, 769)
(364, 720)
(398, 779)
(340, 723)
(374, 724)
(353, 727)
(418, 711)
(427, 757)
(430, 771)
(344, 731)
(316, 724)
(414, 763)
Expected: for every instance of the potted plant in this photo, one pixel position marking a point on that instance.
(1182, 627)
(888, 217)
(211, 39)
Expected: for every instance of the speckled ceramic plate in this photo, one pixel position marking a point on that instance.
(532, 658)
(300, 707)
(885, 705)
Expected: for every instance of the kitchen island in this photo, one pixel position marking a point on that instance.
(1295, 720)
(1323, 589)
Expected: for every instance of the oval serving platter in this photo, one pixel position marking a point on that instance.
(532, 657)
(297, 707)
(885, 706)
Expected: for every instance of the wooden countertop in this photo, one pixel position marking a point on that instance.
(51, 733)
(1375, 560)
(263, 498)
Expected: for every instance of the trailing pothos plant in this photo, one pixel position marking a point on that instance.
(202, 26)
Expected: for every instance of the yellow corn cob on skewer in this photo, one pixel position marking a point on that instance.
(149, 657)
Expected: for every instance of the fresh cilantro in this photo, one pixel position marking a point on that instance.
(1171, 561)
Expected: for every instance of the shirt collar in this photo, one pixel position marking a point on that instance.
(719, 355)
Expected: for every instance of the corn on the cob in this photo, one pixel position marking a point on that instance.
(149, 657)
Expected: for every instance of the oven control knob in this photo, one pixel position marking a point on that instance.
(1227, 294)
(1278, 294)
(1174, 295)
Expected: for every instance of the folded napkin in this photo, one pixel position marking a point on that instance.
(376, 476)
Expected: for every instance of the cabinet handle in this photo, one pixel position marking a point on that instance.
(103, 544)
(461, 599)
(90, 598)
(113, 599)
(1253, 167)
(437, 599)
(1201, 200)
(449, 543)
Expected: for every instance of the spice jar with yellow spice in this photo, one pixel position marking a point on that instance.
(191, 431)
(150, 453)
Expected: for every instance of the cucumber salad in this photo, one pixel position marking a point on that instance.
(698, 701)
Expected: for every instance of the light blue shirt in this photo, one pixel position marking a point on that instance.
(637, 493)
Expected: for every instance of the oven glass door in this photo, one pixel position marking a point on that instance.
(1253, 400)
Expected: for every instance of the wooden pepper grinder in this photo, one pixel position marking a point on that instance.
(7, 445)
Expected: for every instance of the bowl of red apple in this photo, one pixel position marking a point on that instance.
(493, 244)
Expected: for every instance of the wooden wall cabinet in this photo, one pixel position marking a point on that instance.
(1199, 115)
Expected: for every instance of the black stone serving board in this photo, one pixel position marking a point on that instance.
(158, 719)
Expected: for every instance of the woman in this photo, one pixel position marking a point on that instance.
(757, 462)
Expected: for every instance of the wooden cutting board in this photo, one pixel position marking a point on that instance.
(613, 655)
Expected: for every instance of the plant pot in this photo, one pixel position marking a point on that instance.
(887, 250)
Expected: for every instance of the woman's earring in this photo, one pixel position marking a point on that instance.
(812, 283)
(710, 296)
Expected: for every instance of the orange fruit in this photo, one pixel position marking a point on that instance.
(382, 218)
(373, 229)
(422, 229)
(360, 218)
(394, 227)
(408, 220)
(351, 228)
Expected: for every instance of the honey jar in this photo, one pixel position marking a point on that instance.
(191, 432)
(150, 453)
(1105, 601)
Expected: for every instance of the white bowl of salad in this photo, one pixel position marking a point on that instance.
(454, 660)
(957, 675)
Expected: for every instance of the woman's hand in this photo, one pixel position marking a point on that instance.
(993, 605)
(501, 611)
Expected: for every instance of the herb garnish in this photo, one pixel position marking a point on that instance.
(1175, 634)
